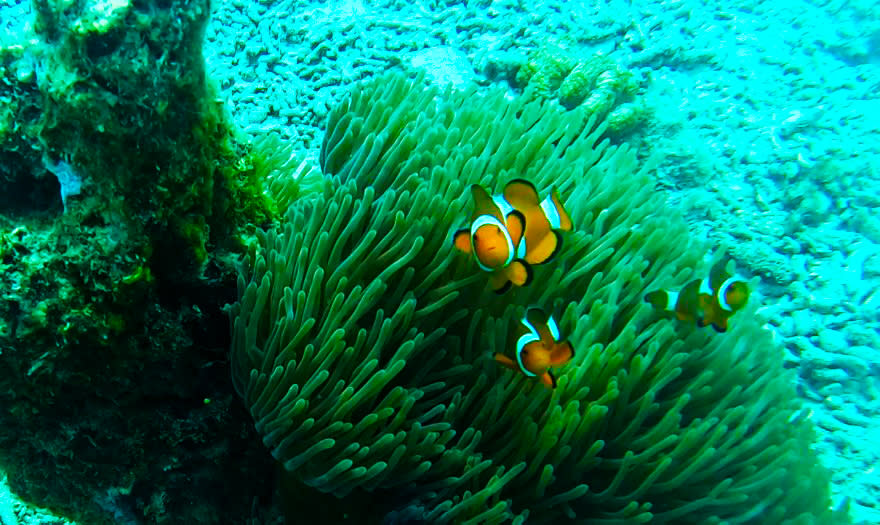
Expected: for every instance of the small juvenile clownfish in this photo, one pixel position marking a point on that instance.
(712, 300)
(538, 347)
(512, 231)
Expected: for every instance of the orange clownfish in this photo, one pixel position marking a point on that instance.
(510, 232)
(712, 300)
(495, 238)
(538, 347)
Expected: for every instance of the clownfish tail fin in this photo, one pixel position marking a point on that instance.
(557, 249)
(659, 299)
(552, 379)
(564, 220)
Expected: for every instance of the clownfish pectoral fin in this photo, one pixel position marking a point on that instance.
(548, 379)
(702, 320)
(564, 220)
(521, 194)
(545, 249)
(516, 226)
(561, 354)
(505, 361)
(519, 272)
(462, 241)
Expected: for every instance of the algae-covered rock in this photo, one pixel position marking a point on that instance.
(125, 198)
(596, 82)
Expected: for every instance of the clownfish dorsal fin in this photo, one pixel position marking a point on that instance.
(521, 194)
(462, 241)
(546, 327)
(536, 317)
(484, 204)
(718, 274)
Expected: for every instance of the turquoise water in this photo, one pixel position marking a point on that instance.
(765, 117)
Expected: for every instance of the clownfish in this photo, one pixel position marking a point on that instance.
(495, 238)
(712, 300)
(510, 232)
(538, 347)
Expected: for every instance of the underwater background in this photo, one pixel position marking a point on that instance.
(169, 167)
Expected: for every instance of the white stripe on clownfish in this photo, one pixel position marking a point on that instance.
(530, 337)
(671, 300)
(484, 220)
(520, 344)
(521, 248)
(529, 326)
(722, 292)
(502, 204)
(551, 213)
(554, 330)
(506, 210)
(706, 287)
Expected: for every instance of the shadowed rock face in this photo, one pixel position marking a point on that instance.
(115, 393)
